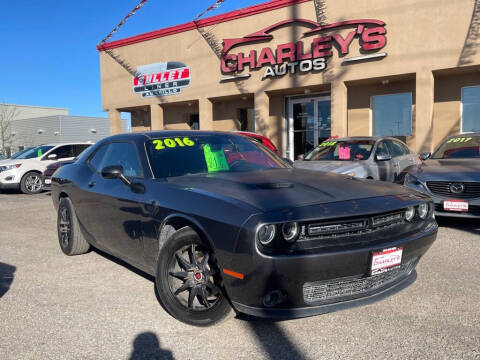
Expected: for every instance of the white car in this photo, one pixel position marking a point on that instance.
(25, 171)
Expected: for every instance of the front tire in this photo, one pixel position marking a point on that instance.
(31, 183)
(188, 280)
(70, 235)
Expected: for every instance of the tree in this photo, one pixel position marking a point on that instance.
(7, 114)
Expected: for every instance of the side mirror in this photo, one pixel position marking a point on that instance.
(288, 161)
(52, 156)
(115, 172)
(424, 156)
(383, 157)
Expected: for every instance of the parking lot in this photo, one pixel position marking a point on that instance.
(91, 307)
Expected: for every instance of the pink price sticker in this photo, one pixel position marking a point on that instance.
(344, 153)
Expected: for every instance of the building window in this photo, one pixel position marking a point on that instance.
(470, 108)
(194, 121)
(392, 114)
(246, 117)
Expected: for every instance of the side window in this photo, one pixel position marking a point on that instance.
(63, 152)
(79, 148)
(118, 153)
(96, 160)
(382, 149)
(397, 149)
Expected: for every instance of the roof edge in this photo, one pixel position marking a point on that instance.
(229, 16)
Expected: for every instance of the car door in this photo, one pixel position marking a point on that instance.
(114, 211)
(400, 156)
(384, 167)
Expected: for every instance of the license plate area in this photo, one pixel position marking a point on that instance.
(385, 260)
(455, 205)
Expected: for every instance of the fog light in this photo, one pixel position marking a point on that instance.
(410, 213)
(290, 231)
(266, 234)
(274, 298)
(423, 210)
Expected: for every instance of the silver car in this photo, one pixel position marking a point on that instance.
(369, 157)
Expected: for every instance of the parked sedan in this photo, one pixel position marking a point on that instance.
(451, 176)
(378, 158)
(222, 222)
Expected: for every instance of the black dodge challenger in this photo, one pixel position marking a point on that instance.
(223, 222)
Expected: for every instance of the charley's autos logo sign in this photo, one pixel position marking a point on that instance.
(159, 79)
(306, 55)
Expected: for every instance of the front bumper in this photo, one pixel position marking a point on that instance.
(473, 204)
(9, 179)
(291, 277)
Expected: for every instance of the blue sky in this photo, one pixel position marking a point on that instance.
(49, 54)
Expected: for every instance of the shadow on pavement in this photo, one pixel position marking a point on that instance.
(124, 264)
(272, 338)
(147, 346)
(6, 277)
(470, 225)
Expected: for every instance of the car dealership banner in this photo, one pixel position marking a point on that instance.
(161, 79)
(306, 55)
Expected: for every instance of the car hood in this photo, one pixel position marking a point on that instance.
(331, 166)
(11, 162)
(276, 189)
(448, 170)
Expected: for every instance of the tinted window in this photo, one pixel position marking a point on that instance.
(396, 148)
(63, 152)
(344, 150)
(78, 149)
(118, 153)
(470, 109)
(392, 114)
(202, 154)
(463, 146)
(96, 160)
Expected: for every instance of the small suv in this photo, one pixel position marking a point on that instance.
(25, 171)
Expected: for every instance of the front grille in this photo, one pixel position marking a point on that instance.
(331, 291)
(356, 226)
(442, 188)
(472, 209)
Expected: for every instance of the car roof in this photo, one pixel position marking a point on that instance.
(161, 133)
(465, 134)
(70, 143)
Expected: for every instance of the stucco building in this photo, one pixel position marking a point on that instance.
(301, 71)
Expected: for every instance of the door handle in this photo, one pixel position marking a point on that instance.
(91, 184)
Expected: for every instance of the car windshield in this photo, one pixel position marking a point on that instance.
(203, 154)
(17, 154)
(458, 147)
(34, 152)
(341, 150)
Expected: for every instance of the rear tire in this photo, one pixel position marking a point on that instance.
(188, 280)
(70, 237)
(31, 183)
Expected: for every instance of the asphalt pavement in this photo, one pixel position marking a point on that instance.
(90, 307)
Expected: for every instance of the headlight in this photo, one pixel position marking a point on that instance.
(423, 210)
(351, 173)
(410, 213)
(266, 234)
(290, 231)
(9, 167)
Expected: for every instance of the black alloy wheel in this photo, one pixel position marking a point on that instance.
(188, 280)
(64, 227)
(70, 236)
